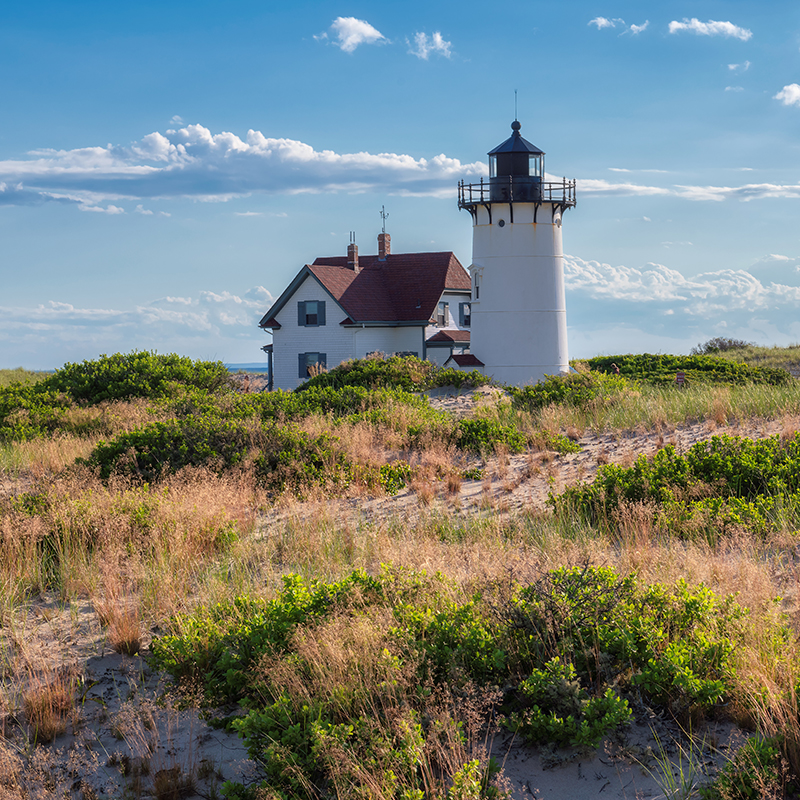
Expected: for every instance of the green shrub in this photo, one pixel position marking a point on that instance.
(138, 374)
(291, 458)
(661, 369)
(578, 389)
(733, 479)
(409, 373)
(481, 435)
(164, 447)
(755, 772)
(28, 411)
(394, 476)
(558, 709)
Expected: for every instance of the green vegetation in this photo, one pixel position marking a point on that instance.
(724, 483)
(395, 372)
(368, 653)
(19, 375)
(660, 370)
(325, 669)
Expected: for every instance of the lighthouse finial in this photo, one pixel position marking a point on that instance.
(515, 106)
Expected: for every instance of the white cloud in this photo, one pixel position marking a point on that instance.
(753, 191)
(108, 210)
(602, 22)
(176, 120)
(424, 45)
(789, 95)
(665, 304)
(140, 209)
(209, 325)
(634, 29)
(710, 28)
(743, 67)
(193, 162)
(734, 88)
(351, 32)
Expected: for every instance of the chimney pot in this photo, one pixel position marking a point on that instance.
(384, 246)
(352, 257)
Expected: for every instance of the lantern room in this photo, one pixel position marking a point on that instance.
(516, 169)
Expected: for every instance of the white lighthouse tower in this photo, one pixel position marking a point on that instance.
(518, 310)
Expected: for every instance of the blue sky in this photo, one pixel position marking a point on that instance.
(166, 168)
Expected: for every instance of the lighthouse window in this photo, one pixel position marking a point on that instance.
(311, 313)
(443, 315)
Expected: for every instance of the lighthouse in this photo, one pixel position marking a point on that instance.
(518, 309)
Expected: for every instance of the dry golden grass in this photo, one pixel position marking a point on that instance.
(48, 703)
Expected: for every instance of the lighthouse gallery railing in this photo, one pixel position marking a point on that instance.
(524, 190)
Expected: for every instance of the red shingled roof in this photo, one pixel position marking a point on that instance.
(450, 337)
(467, 360)
(404, 287)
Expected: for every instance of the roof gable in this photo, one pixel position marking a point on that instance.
(404, 287)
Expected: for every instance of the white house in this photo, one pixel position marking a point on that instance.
(346, 307)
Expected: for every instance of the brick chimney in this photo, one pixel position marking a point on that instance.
(384, 246)
(352, 257)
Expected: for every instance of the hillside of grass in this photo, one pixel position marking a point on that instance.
(363, 655)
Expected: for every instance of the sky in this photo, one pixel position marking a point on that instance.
(166, 168)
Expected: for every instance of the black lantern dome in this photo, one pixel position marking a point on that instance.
(516, 163)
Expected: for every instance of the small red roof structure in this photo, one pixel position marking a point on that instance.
(466, 360)
(450, 337)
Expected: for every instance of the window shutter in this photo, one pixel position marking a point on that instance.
(303, 371)
(446, 314)
(321, 312)
(301, 313)
(461, 315)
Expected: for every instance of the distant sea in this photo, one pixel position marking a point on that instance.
(255, 366)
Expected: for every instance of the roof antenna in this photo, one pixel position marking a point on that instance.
(384, 215)
(516, 119)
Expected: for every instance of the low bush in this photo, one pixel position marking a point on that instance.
(351, 668)
(578, 389)
(484, 435)
(661, 369)
(409, 373)
(138, 374)
(165, 447)
(732, 479)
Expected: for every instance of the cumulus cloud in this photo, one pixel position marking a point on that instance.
(743, 67)
(634, 29)
(789, 95)
(663, 302)
(208, 325)
(351, 32)
(193, 162)
(710, 28)
(424, 45)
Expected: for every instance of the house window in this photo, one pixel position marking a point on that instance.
(308, 360)
(443, 315)
(311, 313)
(465, 315)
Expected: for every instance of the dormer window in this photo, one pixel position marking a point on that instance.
(443, 315)
(311, 313)
(465, 315)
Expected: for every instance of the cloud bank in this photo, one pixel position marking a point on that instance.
(760, 303)
(218, 325)
(192, 162)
